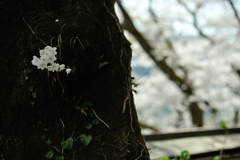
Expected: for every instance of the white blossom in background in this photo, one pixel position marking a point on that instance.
(210, 67)
(46, 60)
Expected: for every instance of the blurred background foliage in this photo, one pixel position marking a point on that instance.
(186, 60)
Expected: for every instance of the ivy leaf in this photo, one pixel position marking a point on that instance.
(34, 95)
(85, 139)
(43, 137)
(185, 155)
(49, 154)
(105, 63)
(85, 108)
(88, 103)
(88, 126)
(49, 141)
(30, 89)
(83, 112)
(68, 144)
(60, 158)
(95, 122)
(74, 68)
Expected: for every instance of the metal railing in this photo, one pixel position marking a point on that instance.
(198, 133)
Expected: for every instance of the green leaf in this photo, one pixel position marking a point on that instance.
(223, 124)
(185, 155)
(135, 91)
(26, 77)
(165, 158)
(158, 159)
(32, 103)
(88, 103)
(60, 158)
(68, 144)
(85, 139)
(74, 68)
(30, 89)
(49, 154)
(34, 95)
(53, 80)
(216, 158)
(135, 84)
(83, 112)
(95, 122)
(49, 141)
(85, 108)
(105, 63)
(88, 126)
(177, 157)
(43, 137)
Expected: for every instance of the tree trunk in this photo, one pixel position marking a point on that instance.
(41, 111)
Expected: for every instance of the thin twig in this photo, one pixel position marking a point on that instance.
(107, 143)
(141, 151)
(55, 148)
(131, 117)
(52, 146)
(68, 141)
(103, 152)
(30, 26)
(100, 119)
(62, 88)
(124, 104)
(144, 148)
(56, 105)
(140, 154)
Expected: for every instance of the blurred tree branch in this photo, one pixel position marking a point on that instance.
(195, 22)
(235, 11)
(150, 9)
(162, 64)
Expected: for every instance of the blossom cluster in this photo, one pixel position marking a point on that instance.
(46, 60)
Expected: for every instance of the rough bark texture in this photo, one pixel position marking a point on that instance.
(106, 87)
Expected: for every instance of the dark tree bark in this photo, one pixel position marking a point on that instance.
(34, 107)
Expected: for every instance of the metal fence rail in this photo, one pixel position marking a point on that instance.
(177, 135)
